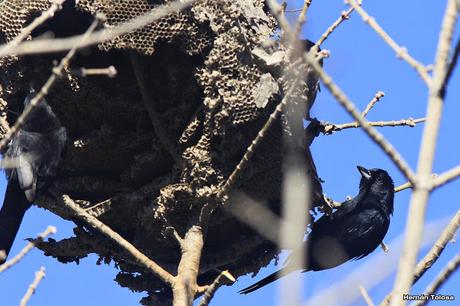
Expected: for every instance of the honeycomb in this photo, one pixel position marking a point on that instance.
(180, 28)
(196, 70)
(14, 15)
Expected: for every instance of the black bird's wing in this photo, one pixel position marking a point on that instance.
(362, 233)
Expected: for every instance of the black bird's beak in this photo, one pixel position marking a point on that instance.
(364, 172)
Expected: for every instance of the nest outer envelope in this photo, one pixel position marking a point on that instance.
(199, 72)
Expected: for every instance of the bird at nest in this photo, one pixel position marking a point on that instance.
(354, 231)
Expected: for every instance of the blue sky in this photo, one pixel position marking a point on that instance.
(361, 63)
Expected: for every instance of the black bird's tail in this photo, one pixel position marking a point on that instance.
(14, 207)
(265, 281)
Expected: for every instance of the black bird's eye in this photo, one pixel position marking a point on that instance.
(379, 179)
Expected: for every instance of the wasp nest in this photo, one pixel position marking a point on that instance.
(154, 143)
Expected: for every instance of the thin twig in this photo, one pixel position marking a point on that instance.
(25, 32)
(85, 72)
(378, 95)
(277, 11)
(331, 128)
(335, 204)
(293, 10)
(446, 177)
(56, 73)
(385, 248)
(211, 289)
(403, 187)
(139, 257)
(440, 279)
(50, 230)
(173, 232)
(434, 253)
(366, 296)
(39, 275)
(401, 52)
(419, 198)
(378, 138)
(62, 44)
(345, 15)
(300, 20)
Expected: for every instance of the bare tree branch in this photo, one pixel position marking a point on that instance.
(345, 15)
(139, 257)
(300, 20)
(403, 187)
(332, 128)
(378, 95)
(211, 289)
(56, 73)
(39, 275)
(85, 72)
(10, 47)
(49, 230)
(418, 202)
(62, 44)
(446, 177)
(185, 286)
(378, 138)
(401, 52)
(433, 254)
(440, 279)
(366, 296)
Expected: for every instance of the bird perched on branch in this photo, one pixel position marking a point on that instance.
(355, 230)
(36, 151)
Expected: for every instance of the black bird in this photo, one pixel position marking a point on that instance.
(355, 230)
(36, 151)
